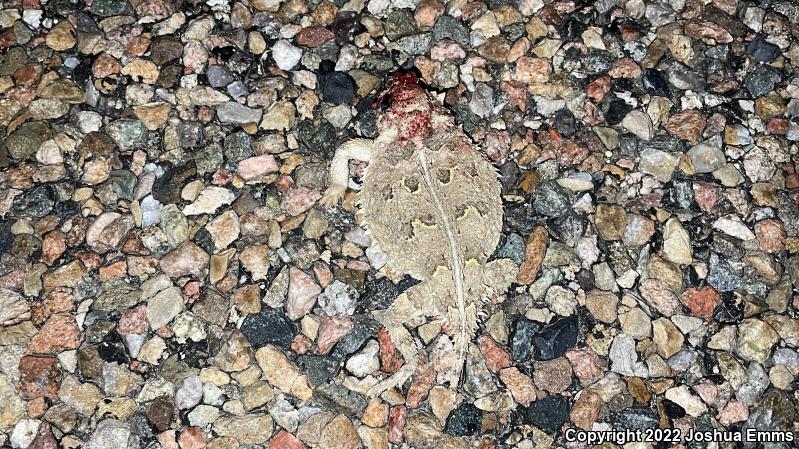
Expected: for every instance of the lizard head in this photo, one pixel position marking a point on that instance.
(409, 108)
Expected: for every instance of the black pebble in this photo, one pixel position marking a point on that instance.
(113, 350)
(554, 340)
(656, 84)
(730, 310)
(636, 418)
(509, 176)
(464, 420)
(569, 227)
(204, 240)
(548, 414)
(380, 293)
(267, 327)
(762, 50)
(6, 237)
(318, 138)
(367, 123)
(522, 340)
(617, 110)
(521, 217)
(565, 122)
(167, 188)
(35, 203)
(673, 410)
(338, 88)
(319, 368)
(364, 327)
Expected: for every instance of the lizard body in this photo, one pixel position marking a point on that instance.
(431, 202)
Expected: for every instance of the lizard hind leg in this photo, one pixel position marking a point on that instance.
(393, 319)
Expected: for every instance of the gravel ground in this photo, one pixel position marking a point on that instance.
(168, 280)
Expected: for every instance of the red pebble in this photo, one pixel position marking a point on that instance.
(701, 301)
(496, 358)
(390, 358)
(285, 440)
(396, 423)
(193, 438)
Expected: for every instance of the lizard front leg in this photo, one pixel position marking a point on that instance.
(394, 319)
(360, 149)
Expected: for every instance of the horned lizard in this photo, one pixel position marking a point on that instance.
(431, 202)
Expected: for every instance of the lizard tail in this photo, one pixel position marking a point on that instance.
(464, 326)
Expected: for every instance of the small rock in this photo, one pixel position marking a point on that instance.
(548, 414)
(465, 420)
(160, 413)
(302, 294)
(701, 301)
(186, 259)
(268, 327)
(252, 428)
(280, 116)
(610, 221)
(687, 125)
(209, 201)
(705, 158)
(657, 163)
(732, 225)
(232, 112)
(586, 409)
(737, 135)
(624, 359)
(254, 167)
(164, 307)
(366, 361)
(660, 296)
(13, 407)
(338, 88)
(61, 37)
(189, 393)
(59, 333)
(638, 123)
(681, 396)
(677, 243)
(554, 376)
(585, 364)
(24, 433)
(39, 377)
(602, 305)
(13, 307)
(762, 50)
(331, 331)
(338, 298)
(668, 338)
(285, 54)
(520, 385)
(533, 256)
(340, 433)
(109, 433)
(755, 340)
(555, 339)
(282, 373)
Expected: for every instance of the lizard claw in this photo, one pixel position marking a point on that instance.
(395, 380)
(332, 196)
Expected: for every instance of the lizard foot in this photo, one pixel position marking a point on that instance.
(395, 380)
(332, 195)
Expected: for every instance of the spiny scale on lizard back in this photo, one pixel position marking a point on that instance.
(405, 191)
